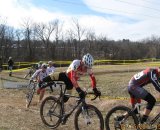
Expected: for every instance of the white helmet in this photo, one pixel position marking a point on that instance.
(44, 66)
(50, 62)
(88, 60)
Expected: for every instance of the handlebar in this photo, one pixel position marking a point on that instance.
(95, 96)
(33, 81)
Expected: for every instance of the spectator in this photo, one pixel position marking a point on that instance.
(0, 64)
(10, 65)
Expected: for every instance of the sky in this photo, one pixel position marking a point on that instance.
(115, 19)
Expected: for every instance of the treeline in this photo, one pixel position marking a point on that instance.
(39, 41)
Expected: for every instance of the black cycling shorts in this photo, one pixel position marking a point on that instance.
(63, 77)
(137, 91)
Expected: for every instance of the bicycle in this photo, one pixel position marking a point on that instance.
(124, 118)
(53, 114)
(31, 90)
(31, 71)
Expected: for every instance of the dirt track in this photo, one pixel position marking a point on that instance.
(14, 115)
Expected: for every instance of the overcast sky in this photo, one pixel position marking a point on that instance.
(116, 19)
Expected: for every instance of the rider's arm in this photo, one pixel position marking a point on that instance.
(73, 79)
(92, 77)
(154, 80)
(35, 74)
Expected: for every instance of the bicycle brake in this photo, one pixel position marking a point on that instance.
(95, 97)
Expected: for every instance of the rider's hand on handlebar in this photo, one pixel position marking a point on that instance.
(31, 80)
(96, 92)
(81, 93)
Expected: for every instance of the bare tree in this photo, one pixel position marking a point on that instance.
(78, 32)
(18, 37)
(27, 25)
(44, 33)
(2, 37)
(90, 38)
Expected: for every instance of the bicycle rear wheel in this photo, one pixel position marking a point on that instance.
(89, 119)
(117, 119)
(50, 112)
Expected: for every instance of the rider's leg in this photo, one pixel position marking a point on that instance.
(63, 77)
(42, 92)
(150, 104)
(133, 99)
(140, 92)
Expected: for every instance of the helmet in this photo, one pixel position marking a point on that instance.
(40, 62)
(10, 57)
(88, 60)
(44, 66)
(50, 62)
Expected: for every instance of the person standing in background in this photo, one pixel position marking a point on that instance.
(10, 65)
(0, 64)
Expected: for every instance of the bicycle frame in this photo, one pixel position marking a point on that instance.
(62, 94)
(55, 113)
(138, 105)
(30, 94)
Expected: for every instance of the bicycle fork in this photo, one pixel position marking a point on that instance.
(86, 115)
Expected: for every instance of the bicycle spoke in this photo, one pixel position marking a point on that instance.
(90, 120)
(30, 94)
(117, 120)
(50, 112)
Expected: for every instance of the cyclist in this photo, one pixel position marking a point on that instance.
(39, 75)
(39, 64)
(50, 68)
(73, 73)
(137, 92)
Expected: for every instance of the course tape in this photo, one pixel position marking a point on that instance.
(16, 70)
(115, 98)
(109, 97)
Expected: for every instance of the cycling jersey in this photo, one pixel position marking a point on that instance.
(136, 90)
(145, 77)
(50, 69)
(39, 75)
(77, 69)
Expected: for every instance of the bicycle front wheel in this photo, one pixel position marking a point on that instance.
(89, 119)
(121, 118)
(50, 112)
(30, 94)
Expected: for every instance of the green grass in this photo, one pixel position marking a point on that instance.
(113, 80)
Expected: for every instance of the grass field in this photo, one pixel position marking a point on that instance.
(112, 80)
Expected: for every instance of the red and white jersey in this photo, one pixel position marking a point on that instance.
(39, 75)
(76, 70)
(50, 69)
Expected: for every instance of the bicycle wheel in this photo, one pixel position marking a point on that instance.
(114, 117)
(30, 94)
(90, 119)
(50, 112)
